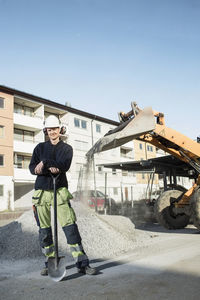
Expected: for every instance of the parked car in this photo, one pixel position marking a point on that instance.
(88, 196)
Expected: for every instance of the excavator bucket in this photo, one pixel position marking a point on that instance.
(142, 123)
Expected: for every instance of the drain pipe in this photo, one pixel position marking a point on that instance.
(93, 163)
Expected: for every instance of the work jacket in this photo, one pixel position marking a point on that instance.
(58, 156)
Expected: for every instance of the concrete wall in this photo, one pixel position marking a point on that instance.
(7, 201)
(23, 195)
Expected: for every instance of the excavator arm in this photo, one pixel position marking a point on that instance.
(149, 126)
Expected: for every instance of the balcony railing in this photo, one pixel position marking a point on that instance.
(34, 115)
(26, 140)
(28, 122)
(23, 175)
(24, 147)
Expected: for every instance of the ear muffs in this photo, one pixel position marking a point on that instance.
(63, 130)
(45, 131)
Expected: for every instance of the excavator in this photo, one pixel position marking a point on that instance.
(174, 208)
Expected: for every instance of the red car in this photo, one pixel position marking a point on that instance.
(88, 196)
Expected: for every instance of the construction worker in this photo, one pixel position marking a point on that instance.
(53, 157)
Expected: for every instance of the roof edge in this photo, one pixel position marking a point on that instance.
(12, 91)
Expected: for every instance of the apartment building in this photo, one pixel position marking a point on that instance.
(144, 151)
(22, 117)
(6, 151)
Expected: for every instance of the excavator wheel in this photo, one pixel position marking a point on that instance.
(164, 214)
(196, 209)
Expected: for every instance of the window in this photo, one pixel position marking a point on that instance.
(22, 161)
(19, 161)
(76, 122)
(1, 160)
(17, 108)
(28, 111)
(114, 171)
(126, 152)
(18, 134)
(2, 102)
(80, 123)
(28, 136)
(131, 173)
(149, 148)
(24, 110)
(83, 124)
(100, 169)
(1, 131)
(98, 128)
(124, 173)
(115, 191)
(100, 194)
(140, 146)
(123, 152)
(47, 114)
(23, 135)
(1, 190)
(26, 162)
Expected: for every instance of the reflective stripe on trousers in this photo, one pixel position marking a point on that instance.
(78, 252)
(49, 251)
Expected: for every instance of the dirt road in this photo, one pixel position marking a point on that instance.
(167, 268)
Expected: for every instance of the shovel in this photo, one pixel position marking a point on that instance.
(56, 265)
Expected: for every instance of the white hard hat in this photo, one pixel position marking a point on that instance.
(52, 122)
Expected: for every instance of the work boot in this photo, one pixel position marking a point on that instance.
(87, 270)
(44, 271)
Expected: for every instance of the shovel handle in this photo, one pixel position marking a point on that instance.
(54, 178)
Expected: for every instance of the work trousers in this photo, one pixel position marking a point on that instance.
(42, 203)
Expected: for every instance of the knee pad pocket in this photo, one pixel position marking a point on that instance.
(72, 234)
(45, 237)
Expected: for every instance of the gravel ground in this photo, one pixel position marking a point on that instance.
(167, 268)
(104, 236)
(145, 263)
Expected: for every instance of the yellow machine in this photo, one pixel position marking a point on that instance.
(174, 208)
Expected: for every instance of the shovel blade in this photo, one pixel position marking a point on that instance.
(57, 268)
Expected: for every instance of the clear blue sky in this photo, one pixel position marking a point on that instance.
(102, 54)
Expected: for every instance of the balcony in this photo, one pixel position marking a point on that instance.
(23, 175)
(126, 152)
(24, 147)
(32, 123)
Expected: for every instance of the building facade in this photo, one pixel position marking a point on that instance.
(6, 151)
(22, 117)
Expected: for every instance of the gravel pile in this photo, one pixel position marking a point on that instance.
(103, 236)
